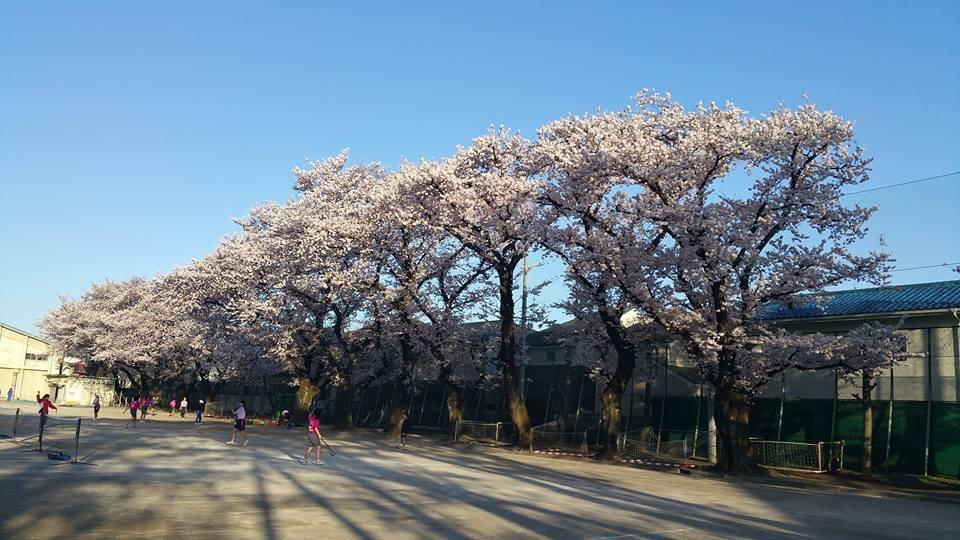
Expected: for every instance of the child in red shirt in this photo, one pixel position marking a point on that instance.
(45, 406)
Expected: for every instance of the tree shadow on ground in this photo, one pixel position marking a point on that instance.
(164, 480)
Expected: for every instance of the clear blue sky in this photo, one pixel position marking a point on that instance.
(130, 133)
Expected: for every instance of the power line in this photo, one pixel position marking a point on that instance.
(923, 267)
(927, 179)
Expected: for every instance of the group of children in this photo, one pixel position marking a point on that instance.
(198, 410)
(314, 439)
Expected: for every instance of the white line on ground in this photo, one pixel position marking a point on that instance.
(641, 535)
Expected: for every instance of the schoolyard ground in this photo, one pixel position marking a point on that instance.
(170, 478)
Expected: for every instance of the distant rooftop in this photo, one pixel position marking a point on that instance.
(23, 332)
(895, 298)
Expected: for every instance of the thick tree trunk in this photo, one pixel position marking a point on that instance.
(454, 397)
(454, 406)
(610, 398)
(867, 402)
(303, 399)
(396, 408)
(612, 393)
(732, 416)
(402, 390)
(343, 408)
(508, 343)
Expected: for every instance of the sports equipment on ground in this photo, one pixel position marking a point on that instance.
(796, 456)
(651, 444)
(59, 434)
(551, 437)
(485, 432)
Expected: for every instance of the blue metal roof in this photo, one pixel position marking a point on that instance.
(895, 298)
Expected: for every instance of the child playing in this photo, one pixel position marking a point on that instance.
(96, 406)
(173, 406)
(404, 428)
(200, 409)
(313, 437)
(240, 425)
(45, 406)
(134, 404)
(183, 407)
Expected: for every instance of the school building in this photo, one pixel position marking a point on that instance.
(27, 367)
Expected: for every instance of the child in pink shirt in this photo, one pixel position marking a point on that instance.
(313, 436)
(134, 405)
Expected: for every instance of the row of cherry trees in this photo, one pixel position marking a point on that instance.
(684, 222)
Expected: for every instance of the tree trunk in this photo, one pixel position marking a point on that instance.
(303, 399)
(396, 408)
(732, 416)
(508, 343)
(867, 401)
(610, 398)
(612, 393)
(343, 409)
(454, 406)
(402, 388)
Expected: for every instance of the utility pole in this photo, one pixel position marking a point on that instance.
(523, 331)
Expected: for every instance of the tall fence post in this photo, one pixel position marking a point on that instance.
(16, 420)
(476, 413)
(783, 396)
(423, 404)
(663, 406)
(696, 429)
(886, 459)
(76, 442)
(926, 445)
(40, 434)
(819, 456)
(833, 414)
(576, 421)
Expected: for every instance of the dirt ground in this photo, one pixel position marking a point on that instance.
(171, 478)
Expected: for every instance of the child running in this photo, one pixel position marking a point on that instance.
(404, 428)
(144, 407)
(313, 437)
(134, 405)
(173, 406)
(240, 425)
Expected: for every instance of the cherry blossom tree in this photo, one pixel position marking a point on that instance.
(106, 325)
(485, 197)
(707, 215)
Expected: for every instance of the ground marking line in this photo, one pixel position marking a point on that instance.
(643, 535)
